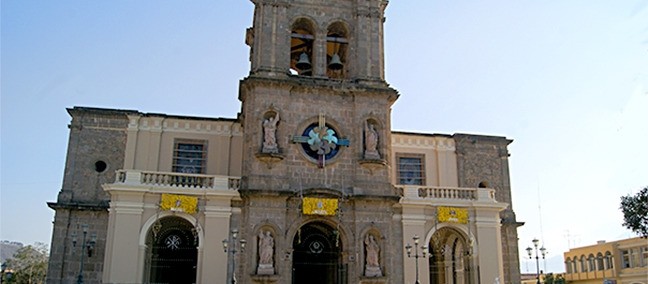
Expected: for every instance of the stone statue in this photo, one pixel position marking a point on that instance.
(371, 141)
(372, 267)
(266, 250)
(269, 134)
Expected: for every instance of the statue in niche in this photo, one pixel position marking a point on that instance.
(371, 142)
(269, 134)
(266, 250)
(372, 251)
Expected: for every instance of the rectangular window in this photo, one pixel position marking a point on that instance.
(190, 156)
(634, 258)
(411, 169)
(625, 259)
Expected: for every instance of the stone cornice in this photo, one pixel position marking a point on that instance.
(412, 140)
(184, 125)
(308, 84)
(101, 206)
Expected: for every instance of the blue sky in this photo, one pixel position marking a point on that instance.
(567, 80)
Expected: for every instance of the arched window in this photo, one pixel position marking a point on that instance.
(301, 47)
(609, 263)
(568, 266)
(583, 264)
(336, 50)
(592, 262)
(599, 261)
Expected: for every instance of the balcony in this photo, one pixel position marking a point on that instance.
(449, 195)
(166, 180)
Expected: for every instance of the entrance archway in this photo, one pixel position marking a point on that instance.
(171, 252)
(316, 255)
(450, 259)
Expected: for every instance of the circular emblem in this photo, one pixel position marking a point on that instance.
(316, 247)
(173, 242)
(322, 142)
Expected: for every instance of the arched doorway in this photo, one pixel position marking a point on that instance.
(450, 259)
(171, 252)
(316, 255)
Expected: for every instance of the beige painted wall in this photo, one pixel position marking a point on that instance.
(151, 140)
(440, 157)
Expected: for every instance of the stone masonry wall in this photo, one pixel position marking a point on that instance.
(483, 161)
(95, 151)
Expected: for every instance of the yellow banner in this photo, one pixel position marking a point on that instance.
(175, 202)
(319, 206)
(453, 215)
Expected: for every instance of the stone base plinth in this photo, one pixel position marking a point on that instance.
(373, 272)
(265, 269)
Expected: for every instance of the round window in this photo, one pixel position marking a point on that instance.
(100, 166)
(322, 143)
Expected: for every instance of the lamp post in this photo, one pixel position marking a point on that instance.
(232, 243)
(86, 247)
(543, 251)
(416, 255)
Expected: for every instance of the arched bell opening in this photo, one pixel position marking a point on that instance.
(317, 252)
(301, 47)
(336, 50)
(171, 251)
(450, 260)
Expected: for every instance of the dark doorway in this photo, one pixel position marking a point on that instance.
(450, 258)
(316, 255)
(172, 252)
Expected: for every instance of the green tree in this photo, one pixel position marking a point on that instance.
(29, 265)
(635, 212)
(550, 278)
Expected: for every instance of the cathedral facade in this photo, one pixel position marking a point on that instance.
(309, 184)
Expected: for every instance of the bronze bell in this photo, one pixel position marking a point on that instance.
(303, 63)
(336, 63)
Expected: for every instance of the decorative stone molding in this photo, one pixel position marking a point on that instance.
(373, 164)
(269, 158)
(180, 125)
(423, 141)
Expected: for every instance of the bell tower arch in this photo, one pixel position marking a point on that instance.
(313, 32)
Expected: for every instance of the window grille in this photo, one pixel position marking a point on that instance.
(189, 157)
(411, 170)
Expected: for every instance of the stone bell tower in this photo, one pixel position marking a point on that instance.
(317, 201)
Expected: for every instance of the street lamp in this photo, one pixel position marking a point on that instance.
(232, 243)
(88, 246)
(416, 256)
(543, 251)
